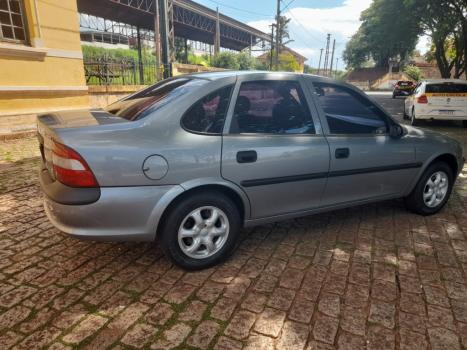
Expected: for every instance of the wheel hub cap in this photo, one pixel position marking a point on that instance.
(203, 232)
(435, 189)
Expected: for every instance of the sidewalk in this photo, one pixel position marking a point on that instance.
(16, 126)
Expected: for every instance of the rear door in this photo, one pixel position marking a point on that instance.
(366, 163)
(273, 146)
(447, 99)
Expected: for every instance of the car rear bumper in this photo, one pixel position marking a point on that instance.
(442, 117)
(119, 214)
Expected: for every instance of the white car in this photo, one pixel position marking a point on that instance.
(440, 99)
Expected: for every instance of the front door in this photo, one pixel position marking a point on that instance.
(273, 146)
(366, 163)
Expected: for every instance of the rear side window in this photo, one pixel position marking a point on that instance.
(446, 88)
(207, 116)
(145, 102)
(347, 112)
(271, 107)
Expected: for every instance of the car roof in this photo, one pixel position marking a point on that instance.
(230, 73)
(438, 81)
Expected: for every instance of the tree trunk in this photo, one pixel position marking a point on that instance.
(440, 56)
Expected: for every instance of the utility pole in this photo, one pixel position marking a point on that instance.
(157, 39)
(326, 55)
(337, 64)
(217, 38)
(165, 46)
(140, 57)
(272, 47)
(278, 31)
(319, 64)
(332, 57)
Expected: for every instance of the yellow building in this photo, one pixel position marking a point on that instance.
(41, 62)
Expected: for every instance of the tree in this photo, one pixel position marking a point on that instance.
(387, 33)
(288, 63)
(227, 60)
(413, 72)
(356, 52)
(245, 61)
(445, 22)
(283, 32)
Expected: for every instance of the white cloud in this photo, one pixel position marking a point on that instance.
(309, 26)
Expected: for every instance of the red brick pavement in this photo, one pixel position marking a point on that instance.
(374, 277)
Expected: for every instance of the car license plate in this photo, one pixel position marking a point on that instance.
(446, 112)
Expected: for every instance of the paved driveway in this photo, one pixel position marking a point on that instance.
(373, 277)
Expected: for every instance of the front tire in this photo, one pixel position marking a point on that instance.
(201, 231)
(432, 190)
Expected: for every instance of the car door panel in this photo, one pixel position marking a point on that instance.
(289, 174)
(377, 165)
(280, 172)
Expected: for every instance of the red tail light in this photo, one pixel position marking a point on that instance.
(70, 168)
(422, 99)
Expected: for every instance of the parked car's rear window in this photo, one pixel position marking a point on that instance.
(404, 83)
(145, 102)
(446, 88)
(207, 116)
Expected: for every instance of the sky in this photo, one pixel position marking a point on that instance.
(311, 21)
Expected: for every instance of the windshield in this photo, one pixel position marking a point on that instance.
(145, 102)
(446, 88)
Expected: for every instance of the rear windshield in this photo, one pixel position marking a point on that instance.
(145, 102)
(446, 88)
(404, 83)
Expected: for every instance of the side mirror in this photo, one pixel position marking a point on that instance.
(396, 131)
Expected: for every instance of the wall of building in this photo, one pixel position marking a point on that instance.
(46, 72)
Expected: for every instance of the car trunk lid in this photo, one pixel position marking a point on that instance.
(50, 126)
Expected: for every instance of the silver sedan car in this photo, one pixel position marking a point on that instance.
(193, 159)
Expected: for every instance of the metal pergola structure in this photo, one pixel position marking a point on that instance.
(182, 18)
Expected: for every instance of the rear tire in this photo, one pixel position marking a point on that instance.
(464, 123)
(413, 119)
(423, 202)
(201, 231)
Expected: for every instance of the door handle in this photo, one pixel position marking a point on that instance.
(247, 157)
(342, 153)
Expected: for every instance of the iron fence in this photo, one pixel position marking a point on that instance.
(126, 71)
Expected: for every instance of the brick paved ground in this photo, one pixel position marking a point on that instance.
(373, 276)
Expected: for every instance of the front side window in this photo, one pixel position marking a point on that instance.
(207, 115)
(347, 112)
(271, 107)
(11, 21)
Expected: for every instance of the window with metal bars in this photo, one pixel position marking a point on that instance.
(12, 26)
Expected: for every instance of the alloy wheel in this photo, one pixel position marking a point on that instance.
(435, 189)
(203, 232)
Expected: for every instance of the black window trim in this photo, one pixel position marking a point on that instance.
(305, 102)
(232, 88)
(387, 119)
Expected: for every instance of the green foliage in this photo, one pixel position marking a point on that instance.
(245, 62)
(93, 52)
(288, 63)
(198, 60)
(445, 21)
(388, 32)
(413, 72)
(227, 60)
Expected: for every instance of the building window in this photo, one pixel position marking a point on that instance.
(12, 26)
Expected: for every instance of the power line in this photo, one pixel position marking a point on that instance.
(304, 28)
(239, 9)
(290, 3)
